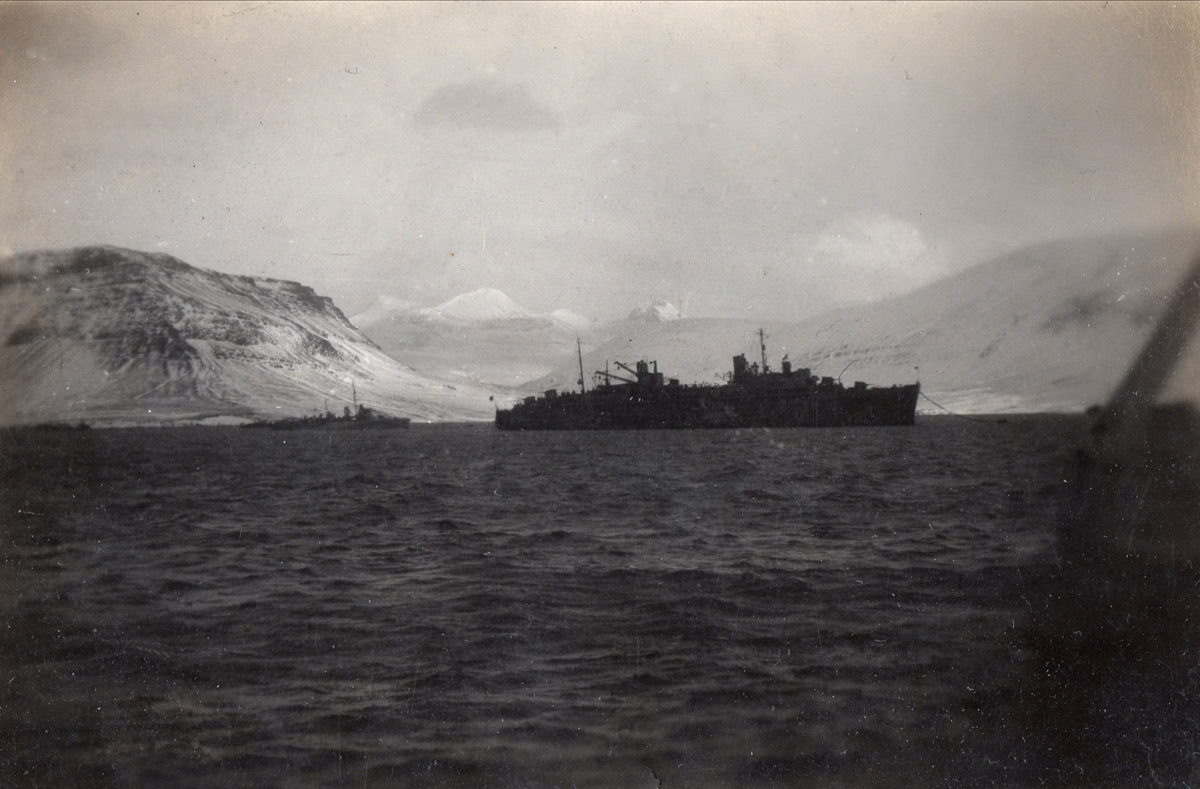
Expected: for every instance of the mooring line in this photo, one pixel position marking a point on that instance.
(952, 413)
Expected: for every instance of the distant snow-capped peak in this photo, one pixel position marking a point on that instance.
(482, 305)
(656, 311)
(485, 304)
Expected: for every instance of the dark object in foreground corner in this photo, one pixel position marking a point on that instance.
(751, 398)
(1114, 640)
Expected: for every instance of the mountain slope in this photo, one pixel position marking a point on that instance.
(1051, 327)
(110, 335)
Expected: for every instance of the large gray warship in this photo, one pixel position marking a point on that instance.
(752, 397)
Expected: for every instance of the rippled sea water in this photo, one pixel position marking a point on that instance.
(456, 606)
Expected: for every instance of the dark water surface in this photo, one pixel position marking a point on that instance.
(452, 605)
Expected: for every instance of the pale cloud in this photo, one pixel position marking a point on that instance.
(867, 257)
(486, 105)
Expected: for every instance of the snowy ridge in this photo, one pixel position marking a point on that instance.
(114, 336)
(574, 320)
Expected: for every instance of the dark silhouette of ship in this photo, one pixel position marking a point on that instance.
(360, 418)
(752, 397)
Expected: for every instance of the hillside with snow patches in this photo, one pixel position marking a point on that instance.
(113, 336)
(478, 338)
(1048, 328)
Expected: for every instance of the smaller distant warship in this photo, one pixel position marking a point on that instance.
(752, 397)
(353, 417)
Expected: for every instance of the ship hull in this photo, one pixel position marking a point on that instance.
(335, 423)
(731, 406)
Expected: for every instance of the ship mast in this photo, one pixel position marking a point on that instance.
(579, 350)
(762, 341)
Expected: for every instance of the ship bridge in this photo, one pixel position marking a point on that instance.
(749, 374)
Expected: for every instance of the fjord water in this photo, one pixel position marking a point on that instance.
(452, 605)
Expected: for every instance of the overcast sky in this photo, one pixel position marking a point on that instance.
(744, 160)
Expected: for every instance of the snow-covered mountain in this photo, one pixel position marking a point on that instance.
(485, 304)
(114, 336)
(482, 337)
(655, 312)
(1051, 327)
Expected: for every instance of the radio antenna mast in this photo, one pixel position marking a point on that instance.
(579, 350)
